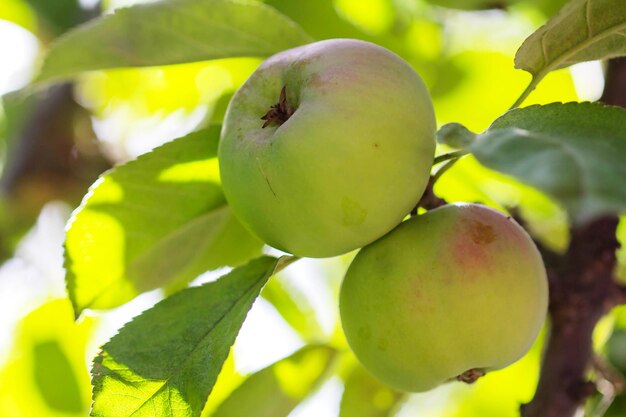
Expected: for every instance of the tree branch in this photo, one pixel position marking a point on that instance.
(582, 290)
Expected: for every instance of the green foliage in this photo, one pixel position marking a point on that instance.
(573, 152)
(276, 390)
(160, 220)
(473, 4)
(58, 15)
(166, 361)
(365, 396)
(455, 135)
(172, 32)
(583, 30)
(46, 374)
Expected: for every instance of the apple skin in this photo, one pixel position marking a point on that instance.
(350, 162)
(460, 288)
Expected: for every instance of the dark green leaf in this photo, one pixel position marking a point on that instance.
(583, 30)
(473, 4)
(172, 32)
(51, 366)
(277, 389)
(57, 15)
(455, 135)
(160, 220)
(165, 362)
(573, 152)
(365, 396)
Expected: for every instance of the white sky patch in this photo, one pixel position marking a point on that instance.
(115, 4)
(324, 402)
(125, 136)
(588, 80)
(309, 277)
(87, 4)
(18, 49)
(264, 338)
(35, 275)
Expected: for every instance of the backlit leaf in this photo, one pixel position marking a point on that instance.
(166, 361)
(584, 30)
(573, 152)
(160, 220)
(172, 32)
(277, 389)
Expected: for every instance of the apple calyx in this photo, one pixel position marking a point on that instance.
(471, 375)
(280, 112)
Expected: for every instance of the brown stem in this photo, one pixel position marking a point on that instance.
(429, 199)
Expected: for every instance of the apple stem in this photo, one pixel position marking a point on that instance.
(280, 112)
(471, 375)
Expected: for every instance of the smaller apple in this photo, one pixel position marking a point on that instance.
(451, 294)
(327, 147)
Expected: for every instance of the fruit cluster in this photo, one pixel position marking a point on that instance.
(326, 149)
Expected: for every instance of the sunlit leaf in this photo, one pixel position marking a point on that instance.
(157, 221)
(365, 396)
(46, 374)
(172, 32)
(573, 152)
(18, 12)
(166, 360)
(144, 92)
(583, 30)
(277, 389)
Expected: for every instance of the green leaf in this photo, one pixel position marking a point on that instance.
(58, 15)
(365, 396)
(165, 361)
(473, 4)
(572, 152)
(160, 220)
(172, 32)
(455, 135)
(319, 18)
(279, 388)
(583, 30)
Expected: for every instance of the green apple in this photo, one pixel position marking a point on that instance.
(451, 294)
(327, 147)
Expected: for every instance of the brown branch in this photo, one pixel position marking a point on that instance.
(582, 290)
(429, 199)
(615, 83)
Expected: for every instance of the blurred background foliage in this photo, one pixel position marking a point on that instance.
(290, 358)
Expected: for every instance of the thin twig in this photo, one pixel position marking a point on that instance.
(449, 164)
(450, 155)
